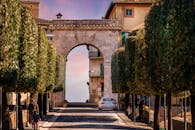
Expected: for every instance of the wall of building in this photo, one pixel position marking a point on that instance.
(57, 99)
(129, 22)
(138, 17)
(96, 79)
(95, 89)
(25, 98)
(94, 66)
(33, 6)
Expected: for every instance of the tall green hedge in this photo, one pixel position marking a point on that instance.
(176, 45)
(60, 73)
(28, 52)
(169, 30)
(51, 75)
(114, 73)
(130, 47)
(136, 63)
(118, 71)
(42, 69)
(9, 42)
(140, 65)
(153, 25)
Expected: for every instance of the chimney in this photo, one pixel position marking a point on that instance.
(59, 16)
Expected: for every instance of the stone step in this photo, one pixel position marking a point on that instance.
(81, 104)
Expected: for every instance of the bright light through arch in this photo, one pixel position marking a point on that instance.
(77, 75)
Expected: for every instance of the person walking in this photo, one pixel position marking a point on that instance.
(35, 120)
(33, 107)
(141, 107)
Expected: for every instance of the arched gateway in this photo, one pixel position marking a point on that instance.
(103, 34)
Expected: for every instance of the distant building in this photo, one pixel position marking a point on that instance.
(130, 13)
(96, 74)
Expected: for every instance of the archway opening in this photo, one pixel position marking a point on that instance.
(84, 74)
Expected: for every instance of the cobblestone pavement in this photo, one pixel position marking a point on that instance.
(85, 118)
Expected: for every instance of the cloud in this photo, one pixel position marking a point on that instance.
(45, 11)
(60, 1)
(78, 62)
(77, 66)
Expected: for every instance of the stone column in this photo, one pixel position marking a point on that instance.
(107, 78)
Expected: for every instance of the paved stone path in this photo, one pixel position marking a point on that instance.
(84, 118)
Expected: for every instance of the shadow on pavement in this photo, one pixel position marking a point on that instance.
(54, 110)
(86, 118)
(96, 126)
(80, 110)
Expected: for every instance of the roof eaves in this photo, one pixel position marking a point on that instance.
(30, 2)
(42, 21)
(133, 2)
(109, 10)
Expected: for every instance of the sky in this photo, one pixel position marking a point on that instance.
(74, 9)
(77, 66)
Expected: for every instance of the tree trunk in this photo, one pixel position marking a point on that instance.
(193, 104)
(45, 104)
(126, 103)
(6, 122)
(169, 113)
(133, 107)
(40, 103)
(20, 120)
(156, 112)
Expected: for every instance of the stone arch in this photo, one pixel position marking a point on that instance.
(77, 45)
(105, 41)
(66, 37)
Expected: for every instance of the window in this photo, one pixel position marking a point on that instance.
(124, 37)
(129, 12)
(101, 69)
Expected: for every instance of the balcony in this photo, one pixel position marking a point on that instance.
(96, 73)
(95, 54)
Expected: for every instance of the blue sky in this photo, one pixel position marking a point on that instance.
(78, 64)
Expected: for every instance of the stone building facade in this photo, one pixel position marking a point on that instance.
(130, 13)
(96, 74)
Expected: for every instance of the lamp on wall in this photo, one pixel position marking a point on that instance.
(59, 16)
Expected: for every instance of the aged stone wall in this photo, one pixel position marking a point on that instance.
(105, 41)
(102, 34)
(95, 79)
